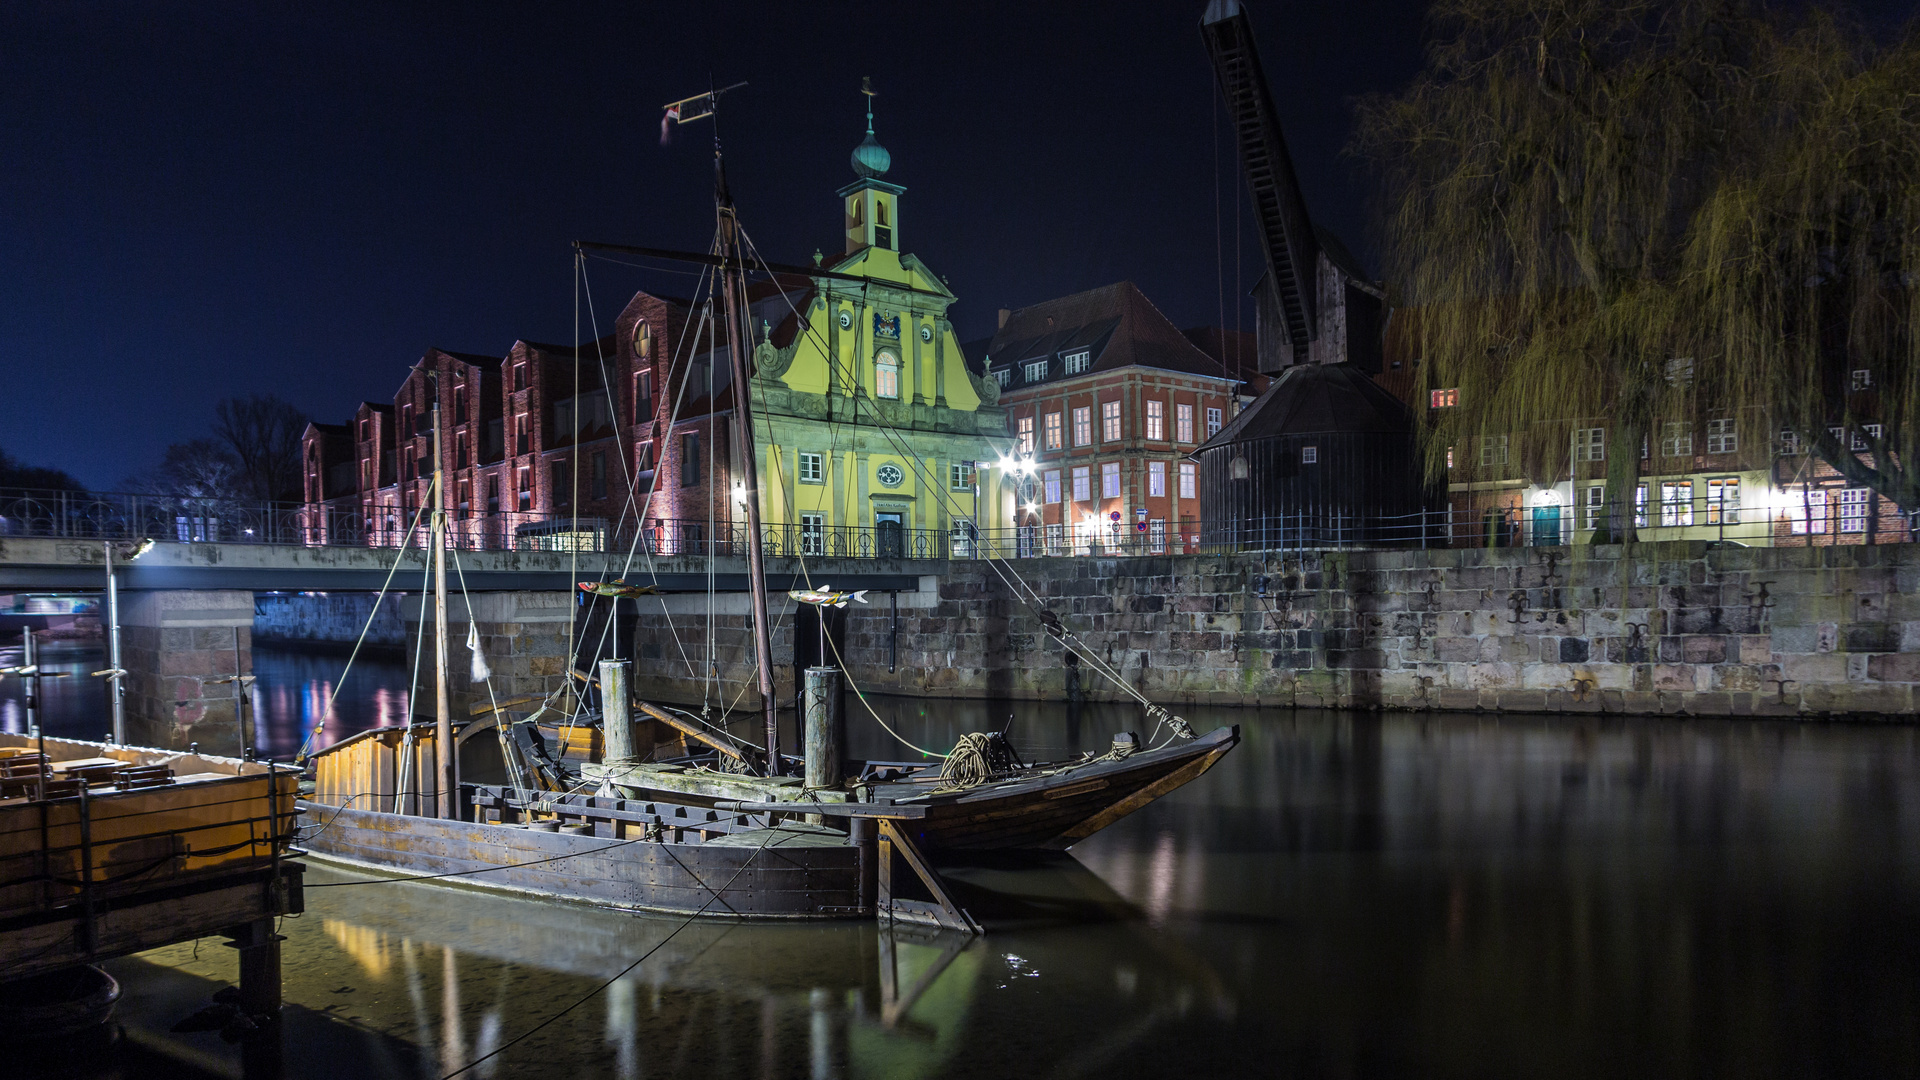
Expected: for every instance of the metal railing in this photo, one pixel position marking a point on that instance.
(1829, 519)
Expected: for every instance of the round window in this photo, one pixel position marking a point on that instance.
(846, 320)
(926, 333)
(890, 475)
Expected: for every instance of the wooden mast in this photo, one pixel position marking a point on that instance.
(442, 715)
(739, 338)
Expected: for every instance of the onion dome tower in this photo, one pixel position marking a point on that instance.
(873, 205)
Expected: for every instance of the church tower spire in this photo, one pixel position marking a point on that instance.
(872, 204)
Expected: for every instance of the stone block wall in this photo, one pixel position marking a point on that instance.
(1652, 628)
(333, 618)
(524, 637)
(171, 644)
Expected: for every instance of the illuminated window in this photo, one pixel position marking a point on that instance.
(886, 376)
(960, 476)
(1596, 498)
(1187, 471)
(1078, 362)
(1054, 434)
(1213, 422)
(1110, 480)
(1676, 503)
(1723, 500)
(809, 468)
(1443, 399)
(1024, 431)
(1183, 423)
(1156, 420)
(1036, 370)
(1053, 485)
(1808, 513)
(1853, 509)
(1110, 421)
(1156, 478)
(1640, 506)
(1082, 483)
(1083, 426)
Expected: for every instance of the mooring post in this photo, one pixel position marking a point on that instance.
(259, 949)
(616, 718)
(826, 725)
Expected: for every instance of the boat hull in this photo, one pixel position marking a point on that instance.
(782, 879)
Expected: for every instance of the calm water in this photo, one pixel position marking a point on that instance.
(1344, 896)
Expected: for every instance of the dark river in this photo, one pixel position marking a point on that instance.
(1343, 896)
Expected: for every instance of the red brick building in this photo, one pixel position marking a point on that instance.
(1107, 399)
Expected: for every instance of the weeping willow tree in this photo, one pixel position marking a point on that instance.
(1615, 214)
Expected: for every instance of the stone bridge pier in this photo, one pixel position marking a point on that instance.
(172, 643)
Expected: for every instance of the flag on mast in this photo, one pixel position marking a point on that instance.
(673, 116)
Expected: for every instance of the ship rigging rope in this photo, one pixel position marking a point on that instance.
(398, 557)
(1022, 590)
(507, 753)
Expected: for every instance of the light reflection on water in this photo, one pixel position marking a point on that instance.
(1342, 896)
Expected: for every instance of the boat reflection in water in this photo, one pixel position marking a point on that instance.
(1344, 895)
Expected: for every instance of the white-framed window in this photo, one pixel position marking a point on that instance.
(1183, 423)
(1862, 379)
(1082, 483)
(813, 534)
(1083, 425)
(1863, 439)
(1853, 509)
(1157, 536)
(1110, 480)
(886, 376)
(1055, 434)
(1676, 503)
(1722, 436)
(1052, 478)
(1156, 419)
(1808, 513)
(1680, 372)
(1723, 500)
(1443, 399)
(1056, 539)
(1187, 472)
(1156, 478)
(1640, 506)
(1590, 444)
(1596, 500)
(810, 470)
(1213, 422)
(1036, 371)
(1791, 443)
(1078, 362)
(1110, 421)
(960, 476)
(1005, 377)
(1309, 455)
(1676, 438)
(1023, 431)
(1493, 450)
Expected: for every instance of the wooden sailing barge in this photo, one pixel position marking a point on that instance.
(706, 823)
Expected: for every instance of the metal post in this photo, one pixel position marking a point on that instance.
(616, 721)
(826, 724)
(442, 716)
(115, 686)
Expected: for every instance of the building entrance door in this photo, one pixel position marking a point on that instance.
(890, 536)
(1546, 525)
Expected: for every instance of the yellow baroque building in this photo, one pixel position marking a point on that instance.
(867, 417)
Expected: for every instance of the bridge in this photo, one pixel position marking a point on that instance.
(187, 609)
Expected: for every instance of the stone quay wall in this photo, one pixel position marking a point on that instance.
(332, 618)
(1649, 628)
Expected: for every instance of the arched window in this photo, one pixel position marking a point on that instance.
(880, 212)
(857, 215)
(886, 375)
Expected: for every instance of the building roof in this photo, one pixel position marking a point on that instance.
(1236, 351)
(1116, 323)
(477, 359)
(1311, 399)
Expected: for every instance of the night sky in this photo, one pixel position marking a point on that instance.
(211, 199)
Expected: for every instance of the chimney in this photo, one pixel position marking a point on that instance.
(1003, 318)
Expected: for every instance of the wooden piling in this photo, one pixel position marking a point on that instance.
(616, 717)
(826, 728)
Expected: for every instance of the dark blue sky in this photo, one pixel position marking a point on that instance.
(209, 199)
